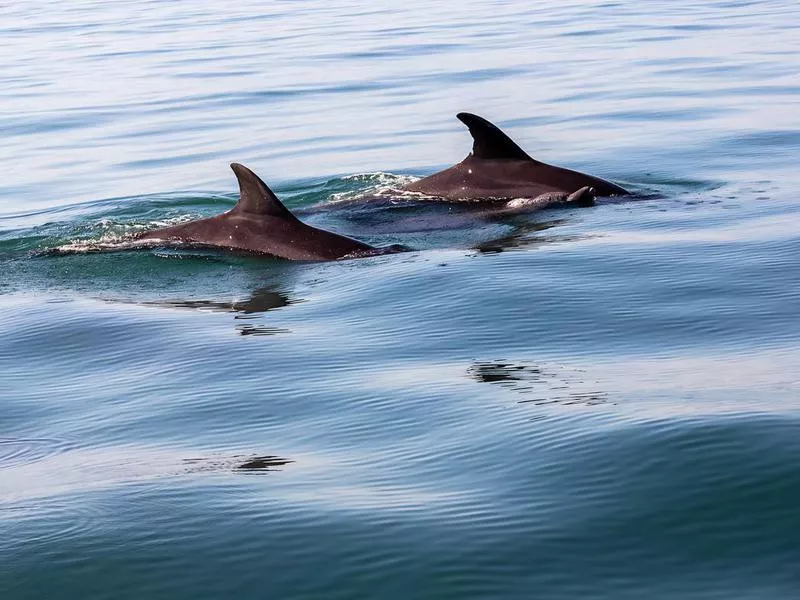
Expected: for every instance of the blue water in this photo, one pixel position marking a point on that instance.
(583, 403)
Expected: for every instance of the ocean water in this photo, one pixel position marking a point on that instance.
(583, 403)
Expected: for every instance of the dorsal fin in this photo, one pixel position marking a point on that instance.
(489, 141)
(255, 197)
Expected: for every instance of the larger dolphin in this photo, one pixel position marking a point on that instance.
(499, 168)
(260, 223)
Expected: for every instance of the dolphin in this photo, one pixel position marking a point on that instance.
(499, 168)
(261, 224)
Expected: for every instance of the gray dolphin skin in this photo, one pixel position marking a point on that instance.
(499, 168)
(261, 224)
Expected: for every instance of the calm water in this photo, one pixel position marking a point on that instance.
(586, 403)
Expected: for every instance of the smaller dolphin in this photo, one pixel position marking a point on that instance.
(261, 224)
(582, 197)
(499, 168)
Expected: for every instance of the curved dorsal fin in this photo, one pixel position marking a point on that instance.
(489, 141)
(255, 197)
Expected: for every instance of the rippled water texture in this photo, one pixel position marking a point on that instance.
(582, 403)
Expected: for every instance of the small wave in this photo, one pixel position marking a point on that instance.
(89, 247)
(27, 450)
(108, 235)
(378, 183)
(379, 178)
(76, 469)
(54, 521)
(46, 496)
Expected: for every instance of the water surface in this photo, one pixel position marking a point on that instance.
(598, 403)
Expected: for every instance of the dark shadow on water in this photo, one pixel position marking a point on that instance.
(522, 236)
(502, 372)
(260, 301)
(437, 224)
(263, 463)
(237, 462)
(260, 330)
(540, 385)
